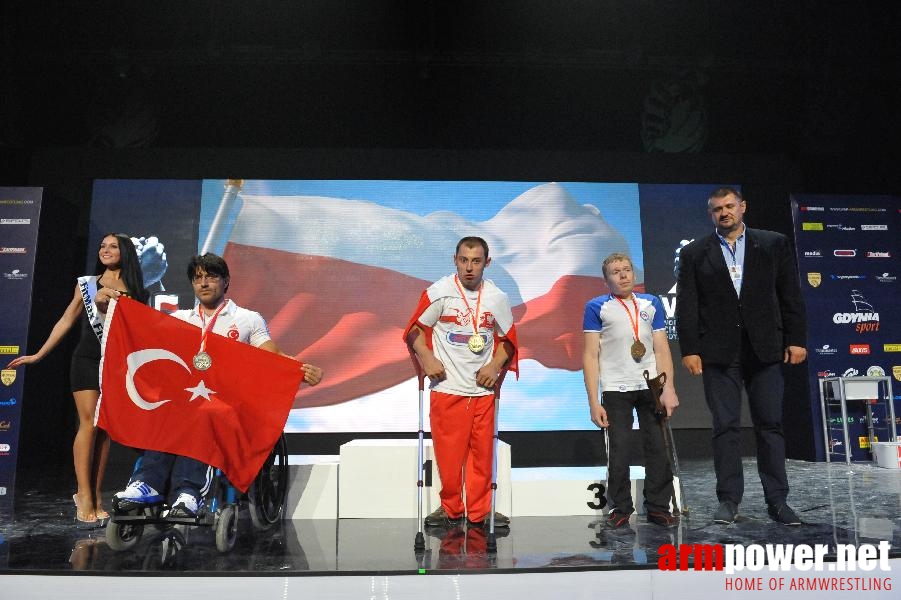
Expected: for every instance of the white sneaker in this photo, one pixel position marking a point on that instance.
(185, 505)
(137, 493)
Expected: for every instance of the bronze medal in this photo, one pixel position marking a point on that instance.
(637, 350)
(476, 343)
(202, 361)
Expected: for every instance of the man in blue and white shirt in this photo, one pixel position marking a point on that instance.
(625, 335)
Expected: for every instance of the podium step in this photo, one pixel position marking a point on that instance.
(377, 479)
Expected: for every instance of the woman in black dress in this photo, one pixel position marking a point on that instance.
(118, 274)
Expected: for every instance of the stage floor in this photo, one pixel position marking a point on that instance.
(840, 504)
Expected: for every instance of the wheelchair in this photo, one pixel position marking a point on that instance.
(264, 500)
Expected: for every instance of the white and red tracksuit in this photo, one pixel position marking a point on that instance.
(462, 412)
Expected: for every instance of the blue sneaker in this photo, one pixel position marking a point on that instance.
(185, 505)
(137, 495)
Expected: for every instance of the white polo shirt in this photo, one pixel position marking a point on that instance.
(233, 322)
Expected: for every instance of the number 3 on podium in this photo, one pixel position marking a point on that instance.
(599, 491)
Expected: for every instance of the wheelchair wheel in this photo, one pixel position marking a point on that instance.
(226, 529)
(122, 536)
(268, 492)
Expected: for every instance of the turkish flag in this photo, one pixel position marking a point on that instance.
(152, 397)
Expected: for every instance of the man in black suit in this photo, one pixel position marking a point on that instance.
(739, 314)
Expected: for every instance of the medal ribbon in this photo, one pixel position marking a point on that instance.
(634, 321)
(475, 320)
(207, 327)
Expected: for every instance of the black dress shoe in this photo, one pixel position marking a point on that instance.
(726, 513)
(783, 513)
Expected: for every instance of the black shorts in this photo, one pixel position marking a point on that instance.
(84, 373)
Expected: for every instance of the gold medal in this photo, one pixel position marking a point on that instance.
(637, 350)
(202, 361)
(476, 343)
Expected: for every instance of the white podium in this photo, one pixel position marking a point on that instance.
(312, 487)
(377, 479)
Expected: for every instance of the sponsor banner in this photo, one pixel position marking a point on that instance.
(20, 209)
(15, 275)
(840, 277)
(850, 296)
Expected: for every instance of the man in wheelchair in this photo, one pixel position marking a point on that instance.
(188, 479)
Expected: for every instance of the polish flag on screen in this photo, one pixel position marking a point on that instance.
(153, 398)
(337, 279)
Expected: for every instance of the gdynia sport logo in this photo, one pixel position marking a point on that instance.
(748, 561)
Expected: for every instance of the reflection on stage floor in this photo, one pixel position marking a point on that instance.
(840, 504)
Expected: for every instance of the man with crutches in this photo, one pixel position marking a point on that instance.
(463, 335)
(625, 335)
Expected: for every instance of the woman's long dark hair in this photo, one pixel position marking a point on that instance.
(129, 266)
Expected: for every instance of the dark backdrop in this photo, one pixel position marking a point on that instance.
(780, 97)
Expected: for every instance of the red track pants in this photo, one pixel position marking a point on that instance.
(463, 437)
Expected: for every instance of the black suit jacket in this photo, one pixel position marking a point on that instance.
(711, 317)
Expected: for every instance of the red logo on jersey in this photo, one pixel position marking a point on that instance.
(233, 333)
(486, 319)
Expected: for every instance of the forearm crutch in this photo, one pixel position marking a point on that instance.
(491, 545)
(655, 385)
(419, 543)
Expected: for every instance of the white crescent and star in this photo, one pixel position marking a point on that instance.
(139, 358)
(199, 390)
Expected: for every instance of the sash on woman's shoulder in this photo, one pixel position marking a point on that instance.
(88, 286)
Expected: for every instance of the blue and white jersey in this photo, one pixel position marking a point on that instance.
(607, 316)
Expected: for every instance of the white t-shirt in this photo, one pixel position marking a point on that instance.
(605, 315)
(233, 322)
(451, 321)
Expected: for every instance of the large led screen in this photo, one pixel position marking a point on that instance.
(337, 266)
